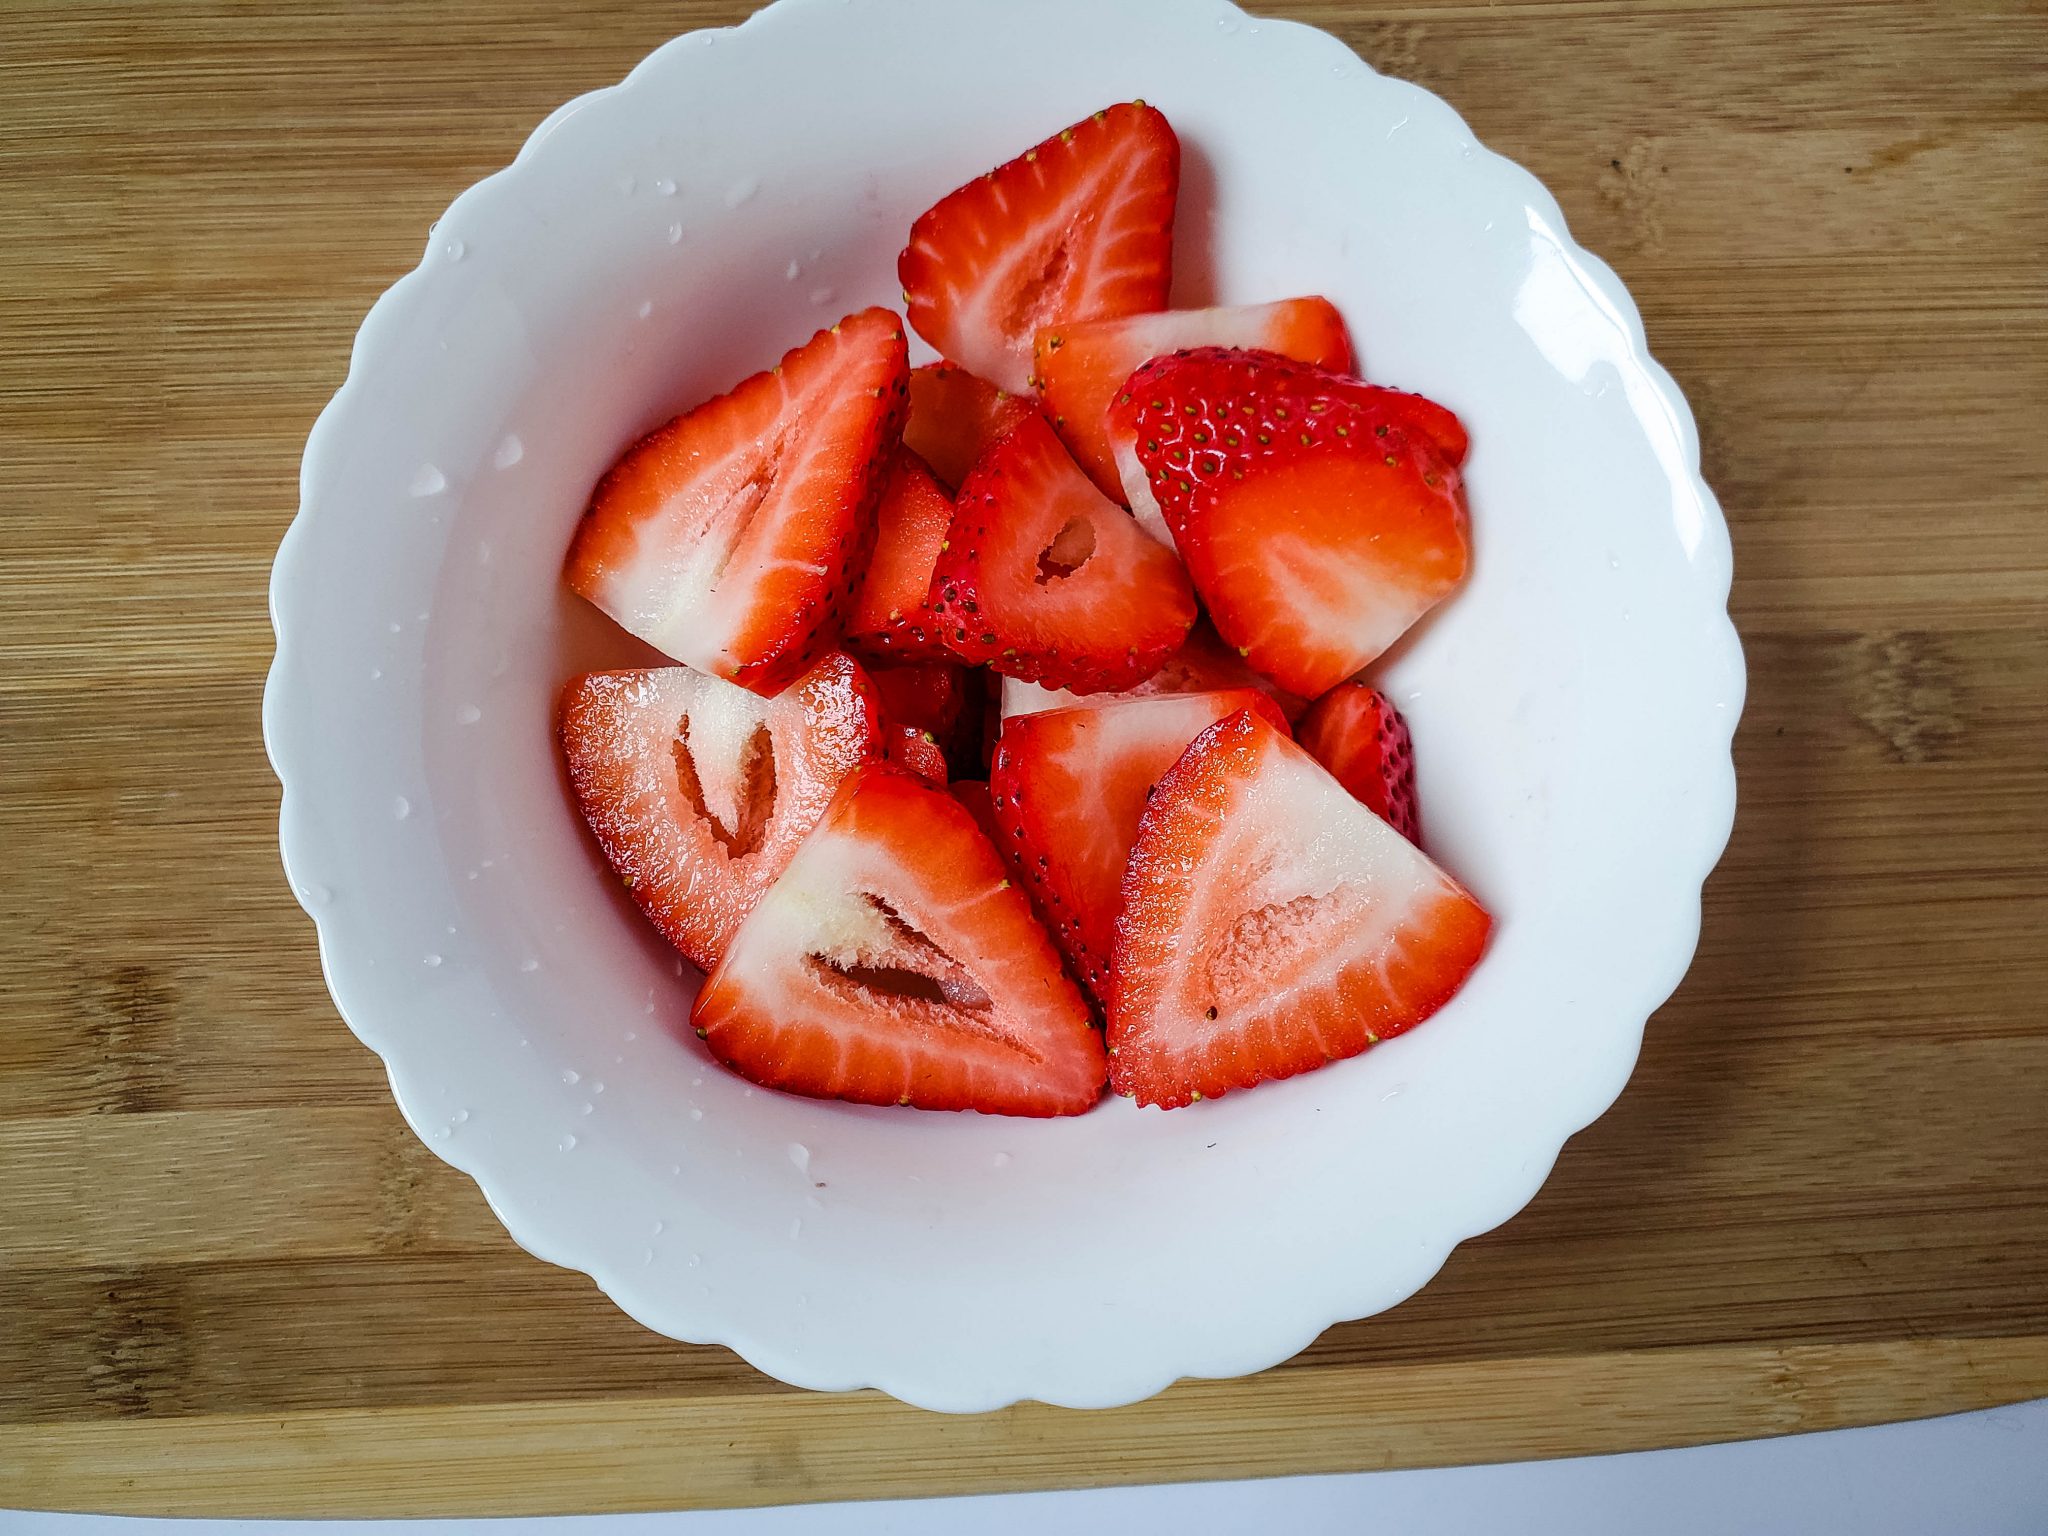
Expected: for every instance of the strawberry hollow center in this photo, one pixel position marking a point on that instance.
(1071, 548)
(753, 796)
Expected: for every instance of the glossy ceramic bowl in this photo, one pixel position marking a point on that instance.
(652, 243)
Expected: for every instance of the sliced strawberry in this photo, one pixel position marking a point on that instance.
(915, 752)
(943, 699)
(887, 618)
(700, 791)
(1202, 664)
(1270, 371)
(973, 796)
(955, 418)
(1271, 923)
(1080, 369)
(1079, 228)
(896, 963)
(730, 537)
(1069, 786)
(1316, 521)
(1044, 578)
(1355, 732)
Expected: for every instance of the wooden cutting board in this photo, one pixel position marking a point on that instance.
(231, 1280)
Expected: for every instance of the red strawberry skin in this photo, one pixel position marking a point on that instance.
(942, 699)
(887, 619)
(1068, 788)
(1355, 732)
(956, 417)
(1317, 522)
(1078, 228)
(730, 539)
(914, 751)
(699, 792)
(1044, 578)
(1080, 369)
(1271, 924)
(895, 962)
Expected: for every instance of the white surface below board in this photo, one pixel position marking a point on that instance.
(1976, 1474)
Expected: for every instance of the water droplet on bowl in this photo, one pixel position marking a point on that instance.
(823, 295)
(696, 1113)
(742, 191)
(571, 1076)
(586, 1108)
(430, 961)
(793, 271)
(675, 234)
(401, 807)
(529, 965)
(456, 250)
(800, 1155)
(567, 1144)
(395, 627)
(796, 1226)
(460, 1117)
(665, 186)
(376, 674)
(597, 1087)
(317, 895)
(1002, 1159)
(469, 714)
(509, 451)
(427, 480)
(646, 308)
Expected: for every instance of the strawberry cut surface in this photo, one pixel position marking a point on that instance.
(1078, 228)
(1080, 369)
(730, 538)
(1316, 520)
(887, 618)
(915, 752)
(699, 791)
(1355, 732)
(941, 698)
(1271, 924)
(1044, 578)
(1069, 786)
(955, 417)
(1203, 664)
(895, 962)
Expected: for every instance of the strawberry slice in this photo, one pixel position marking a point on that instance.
(729, 538)
(955, 417)
(1355, 732)
(1416, 413)
(887, 618)
(895, 963)
(1069, 786)
(1317, 521)
(700, 791)
(1202, 664)
(942, 699)
(1044, 578)
(1079, 228)
(1080, 369)
(1271, 923)
(914, 751)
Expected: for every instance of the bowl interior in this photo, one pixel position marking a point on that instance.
(1570, 707)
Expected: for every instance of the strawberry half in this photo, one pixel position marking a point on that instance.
(1272, 924)
(1069, 786)
(895, 963)
(700, 791)
(1355, 732)
(1079, 228)
(1044, 578)
(1202, 665)
(729, 538)
(1317, 521)
(887, 618)
(1080, 369)
(955, 417)
(942, 699)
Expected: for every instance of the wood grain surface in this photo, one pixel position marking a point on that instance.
(230, 1279)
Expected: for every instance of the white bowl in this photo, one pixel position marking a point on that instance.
(653, 242)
